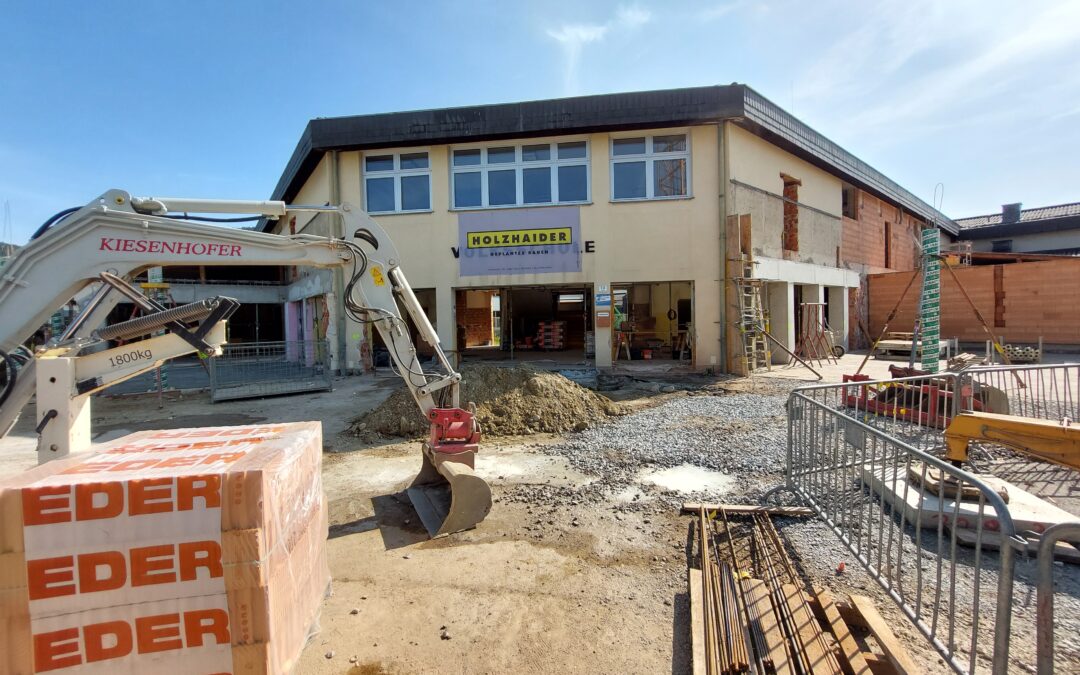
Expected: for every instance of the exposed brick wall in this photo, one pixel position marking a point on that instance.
(791, 214)
(1033, 299)
(863, 239)
(477, 323)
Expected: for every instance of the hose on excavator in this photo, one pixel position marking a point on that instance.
(11, 374)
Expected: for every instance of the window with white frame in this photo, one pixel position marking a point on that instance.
(523, 174)
(397, 182)
(650, 167)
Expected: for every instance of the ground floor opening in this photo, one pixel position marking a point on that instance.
(550, 324)
(653, 322)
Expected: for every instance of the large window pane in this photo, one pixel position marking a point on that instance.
(467, 189)
(535, 153)
(628, 146)
(669, 177)
(629, 178)
(415, 193)
(573, 183)
(500, 155)
(502, 188)
(466, 157)
(536, 183)
(379, 163)
(414, 160)
(669, 143)
(575, 150)
(380, 194)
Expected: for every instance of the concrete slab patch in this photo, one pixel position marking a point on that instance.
(523, 467)
(688, 479)
(1028, 511)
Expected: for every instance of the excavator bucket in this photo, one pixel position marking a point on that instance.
(993, 399)
(447, 495)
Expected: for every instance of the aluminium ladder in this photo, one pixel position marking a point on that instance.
(752, 320)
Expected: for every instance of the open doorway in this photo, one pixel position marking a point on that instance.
(536, 323)
(653, 321)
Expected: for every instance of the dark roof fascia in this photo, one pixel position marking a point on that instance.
(1022, 228)
(303, 161)
(784, 129)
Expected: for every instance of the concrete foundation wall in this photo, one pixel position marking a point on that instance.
(1021, 302)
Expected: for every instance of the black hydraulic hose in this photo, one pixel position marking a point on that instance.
(12, 375)
(209, 219)
(52, 221)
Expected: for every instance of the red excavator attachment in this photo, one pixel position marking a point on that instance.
(447, 495)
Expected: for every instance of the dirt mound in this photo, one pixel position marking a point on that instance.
(509, 401)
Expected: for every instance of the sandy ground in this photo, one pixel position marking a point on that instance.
(563, 588)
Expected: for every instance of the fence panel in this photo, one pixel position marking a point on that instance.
(1049, 392)
(940, 560)
(854, 450)
(258, 369)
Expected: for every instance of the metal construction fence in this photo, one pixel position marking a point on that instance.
(864, 456)
(258, 369)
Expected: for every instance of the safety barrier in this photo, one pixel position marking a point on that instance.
(861, 454)
(258, 369)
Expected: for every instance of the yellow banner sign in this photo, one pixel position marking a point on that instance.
(546, 236)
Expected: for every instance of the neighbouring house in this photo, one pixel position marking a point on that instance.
(1046, 229)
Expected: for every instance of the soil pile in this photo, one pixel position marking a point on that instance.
(509, 401)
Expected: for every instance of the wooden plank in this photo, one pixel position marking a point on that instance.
(851, 660)
(879, 665)
(761, 607)
(850, 615)
(697, 621)
(884, 635)
(814, 646)
(695, 507)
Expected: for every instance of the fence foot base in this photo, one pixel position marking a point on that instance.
(770, 497)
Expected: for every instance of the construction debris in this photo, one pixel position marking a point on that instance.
(750, 613)
(509, 401)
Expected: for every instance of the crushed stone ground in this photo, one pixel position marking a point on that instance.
(509, 401)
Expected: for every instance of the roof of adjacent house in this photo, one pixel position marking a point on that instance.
(586, 114)
(1026, 216)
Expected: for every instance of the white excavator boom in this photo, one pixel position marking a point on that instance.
(116, 236)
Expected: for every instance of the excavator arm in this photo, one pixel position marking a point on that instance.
(117, 236)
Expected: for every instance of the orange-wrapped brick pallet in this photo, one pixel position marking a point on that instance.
(183, 551)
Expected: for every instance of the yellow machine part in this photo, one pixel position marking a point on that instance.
(1048, 440)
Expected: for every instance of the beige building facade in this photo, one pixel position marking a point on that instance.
(599, 231)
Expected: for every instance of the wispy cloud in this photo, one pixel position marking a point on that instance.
(573, 37)
(926, 70)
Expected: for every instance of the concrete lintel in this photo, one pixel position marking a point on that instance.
(804, 273)
(310, 285)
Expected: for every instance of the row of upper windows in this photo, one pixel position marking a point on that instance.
(529, 174)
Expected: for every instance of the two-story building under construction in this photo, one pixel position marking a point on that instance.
(603, 230)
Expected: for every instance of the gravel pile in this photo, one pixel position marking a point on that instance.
(739, 434)
(743, 435)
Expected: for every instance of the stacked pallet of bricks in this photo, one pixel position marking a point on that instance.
(181, 551)
(550, 335)
(751, 614)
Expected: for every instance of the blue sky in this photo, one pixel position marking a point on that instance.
(208, 99)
